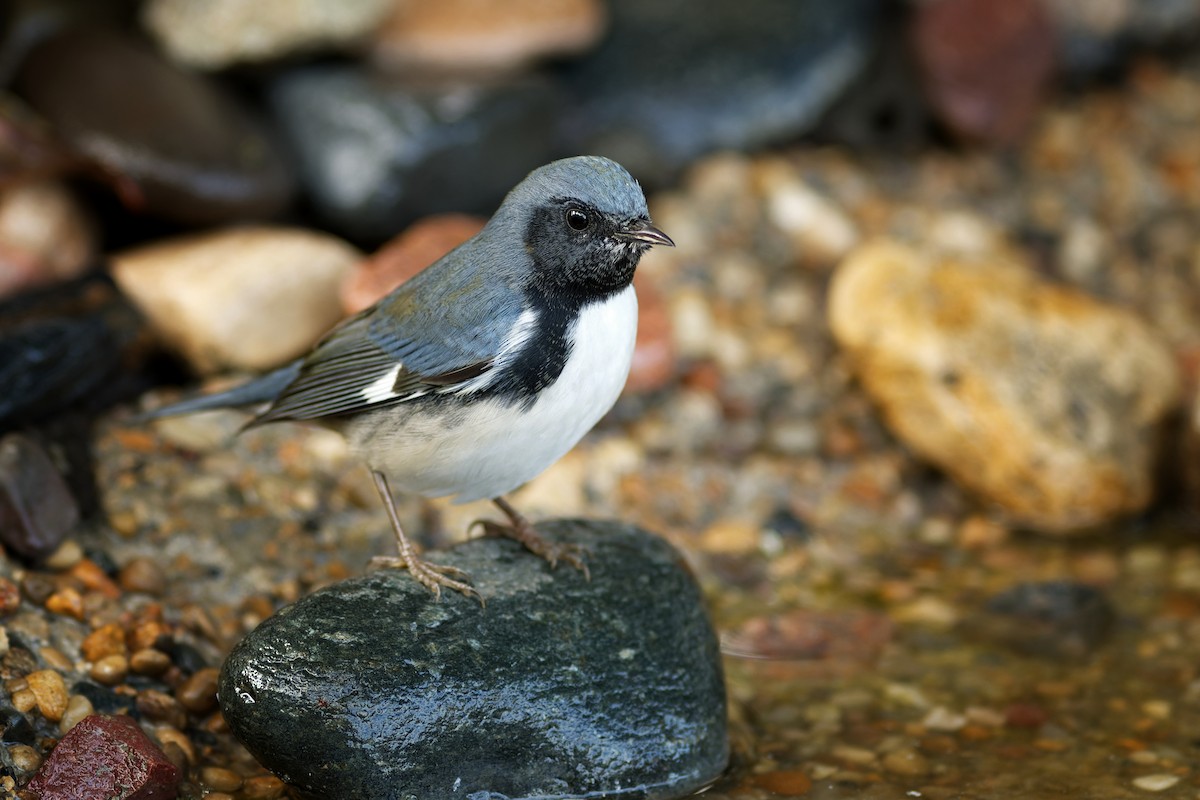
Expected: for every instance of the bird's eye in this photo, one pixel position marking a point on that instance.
(578, 220)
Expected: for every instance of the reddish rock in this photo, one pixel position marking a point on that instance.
(818, 643)
(986, 64)
(106, 757)
(404, 256)
(654, 355)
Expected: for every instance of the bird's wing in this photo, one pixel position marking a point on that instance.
(402, 348)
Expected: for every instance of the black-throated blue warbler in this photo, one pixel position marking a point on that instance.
(487, 367)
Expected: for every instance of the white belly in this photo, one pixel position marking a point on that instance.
(488, 448)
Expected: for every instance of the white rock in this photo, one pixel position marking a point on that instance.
(244, 298)
(217, 33)
(45, 236)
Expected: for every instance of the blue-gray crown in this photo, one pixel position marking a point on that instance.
(600, 182)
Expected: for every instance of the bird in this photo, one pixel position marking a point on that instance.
(485, 368)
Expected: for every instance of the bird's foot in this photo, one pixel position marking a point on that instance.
(432, 576)
(553, 552)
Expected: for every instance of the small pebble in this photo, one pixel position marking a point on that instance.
(149, 661)
(1156, 783)
(23, 700)
(161, 707)
(78, 707)
(49, 692)
(67, 555)
(220, 779)
(906, 762)
(110, 670)
(56, 659)
(943, 719)
(10, 597)
(142, 575)
(785, 783)
(67, 602)
(107, 640)
(24, 758)
(198, 693)
(173, 739)
(263, 787)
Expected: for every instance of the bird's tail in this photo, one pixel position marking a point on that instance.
(263, 389)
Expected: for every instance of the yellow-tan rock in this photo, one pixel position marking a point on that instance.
(245, 298)
(1037, 397)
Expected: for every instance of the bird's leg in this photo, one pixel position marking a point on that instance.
(522, 530)
(431, 576)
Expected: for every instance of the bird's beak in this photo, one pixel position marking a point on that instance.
(641, 230)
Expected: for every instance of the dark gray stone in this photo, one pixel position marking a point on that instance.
(1098, 38)
(560, 687)
(377, 152)
(1052, 619)
(679, 78)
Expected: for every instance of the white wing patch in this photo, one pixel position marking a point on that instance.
(384, 388)
(520, 333)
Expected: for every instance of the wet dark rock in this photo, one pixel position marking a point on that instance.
(986, 64)
(106, 757)
(1055, 619)
(78, 345)
(680, 78)
(377, 153)
(173, 143)
(883, 108)
(37, 510)
(103, 699)
(15, 726)
(559, 687)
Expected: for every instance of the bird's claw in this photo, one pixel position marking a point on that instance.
(552, 552)
(432, 576)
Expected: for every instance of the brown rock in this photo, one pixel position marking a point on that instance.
(142, 575)
(1037, 397)
(471, 35)
(244, 298)
(986, 64)
(106, 757)
(37, 509)
(404, 256)
(198, 693)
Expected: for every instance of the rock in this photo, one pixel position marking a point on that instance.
(1037, 397)
(1097, 37)
(243, 298)
(37, 510)
(819, 229)
(484, 35)
(1056, 619)
(654, 355)
(377, 153)
(106, 757)
(676, 79)
(560, 686)
(45, 236)
(212, 34)
(173, 143)
(404, 256)
(986, 64)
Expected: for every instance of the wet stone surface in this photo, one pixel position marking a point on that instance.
(559, 687)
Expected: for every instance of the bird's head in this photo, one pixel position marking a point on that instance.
(584, 225)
